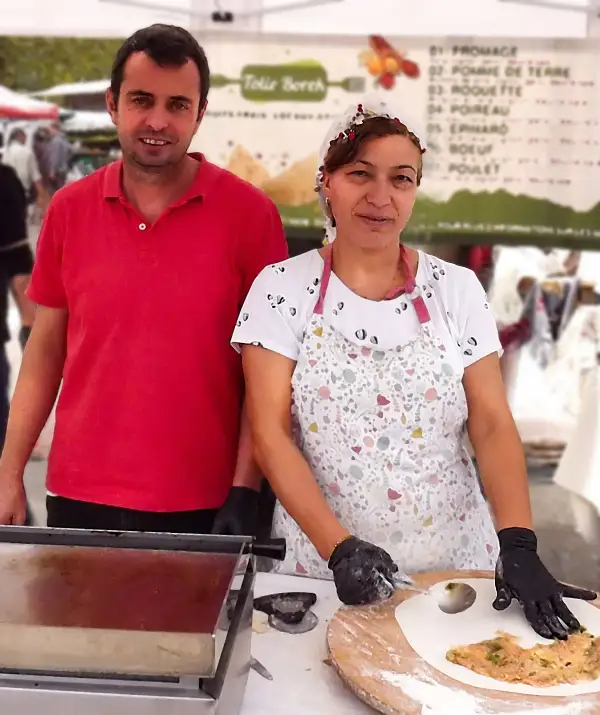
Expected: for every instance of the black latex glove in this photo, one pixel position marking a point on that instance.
(24, 334)
(239, 515)
(521, 575)
(363, 573)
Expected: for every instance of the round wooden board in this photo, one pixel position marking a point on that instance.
(366, 646)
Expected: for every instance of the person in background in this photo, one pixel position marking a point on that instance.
(39, 146)
(16, 263)
(59, 155)
(366, 364)
(22, 159)
(480, 260)
(140, 272)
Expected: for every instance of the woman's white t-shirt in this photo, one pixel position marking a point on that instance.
(283, 296)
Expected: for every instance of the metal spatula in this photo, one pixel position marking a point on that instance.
(455, 598)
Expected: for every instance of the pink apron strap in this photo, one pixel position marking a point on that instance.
(421, 309)
(408, 288)
(324, 280)
(409, 285)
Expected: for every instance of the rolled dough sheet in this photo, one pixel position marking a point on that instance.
(431, 633)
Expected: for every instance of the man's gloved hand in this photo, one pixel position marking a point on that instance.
(24, 334)
(363, 573)
(521, 575)
(239, 515)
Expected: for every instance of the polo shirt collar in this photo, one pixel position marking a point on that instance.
(205, 177)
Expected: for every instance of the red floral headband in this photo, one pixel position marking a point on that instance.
(350, 133)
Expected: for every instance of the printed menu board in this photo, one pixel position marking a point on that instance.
(515, 141)
(512, 127)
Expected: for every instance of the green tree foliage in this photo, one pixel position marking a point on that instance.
(32, 63)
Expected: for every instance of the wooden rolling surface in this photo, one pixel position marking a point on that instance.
(365, 643)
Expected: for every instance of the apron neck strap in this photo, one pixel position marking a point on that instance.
(327, 268)
(408, 287)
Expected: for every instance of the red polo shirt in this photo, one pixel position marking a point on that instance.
(148, 415)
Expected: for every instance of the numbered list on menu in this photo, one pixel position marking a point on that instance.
(518, 118)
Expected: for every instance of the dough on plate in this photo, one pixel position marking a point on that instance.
(544, 665)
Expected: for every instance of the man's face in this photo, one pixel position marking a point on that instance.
(157, 112)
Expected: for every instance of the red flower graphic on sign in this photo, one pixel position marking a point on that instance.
(386, 63)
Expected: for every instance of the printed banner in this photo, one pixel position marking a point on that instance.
(512, 126)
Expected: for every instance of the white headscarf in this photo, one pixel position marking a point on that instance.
(372, 105)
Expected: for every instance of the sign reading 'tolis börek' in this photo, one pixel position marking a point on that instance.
(512, 125)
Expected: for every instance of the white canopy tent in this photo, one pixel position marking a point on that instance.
(588, 8)
(398, 17)
(83, 122)
(97, 86)
(20, 106)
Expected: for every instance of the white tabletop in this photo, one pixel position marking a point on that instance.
(302, 684)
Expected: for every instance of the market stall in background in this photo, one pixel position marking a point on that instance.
(17, 109)
(85, 122)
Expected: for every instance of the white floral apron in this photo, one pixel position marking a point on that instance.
(383, 434)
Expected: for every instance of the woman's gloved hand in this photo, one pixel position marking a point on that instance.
(521, 575)
(363, 573)
(239, 515)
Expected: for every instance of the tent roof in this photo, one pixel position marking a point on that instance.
(20, 106)
(97, 86)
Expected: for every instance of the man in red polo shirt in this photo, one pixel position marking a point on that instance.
(140, 273)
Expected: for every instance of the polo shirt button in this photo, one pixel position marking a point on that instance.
(142, 227)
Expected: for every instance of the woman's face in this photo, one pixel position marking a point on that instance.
(372, 198)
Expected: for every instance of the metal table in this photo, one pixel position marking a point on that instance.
(125, 622)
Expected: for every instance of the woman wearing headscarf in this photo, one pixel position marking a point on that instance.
(366, 362)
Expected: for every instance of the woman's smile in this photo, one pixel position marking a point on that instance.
(374, 220)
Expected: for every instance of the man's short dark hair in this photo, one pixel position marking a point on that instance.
(167, 46)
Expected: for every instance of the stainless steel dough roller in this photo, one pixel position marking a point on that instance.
(125, 622)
